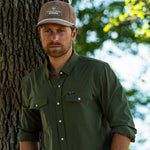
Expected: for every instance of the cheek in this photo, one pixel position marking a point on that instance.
(43, 36)
(44, 40)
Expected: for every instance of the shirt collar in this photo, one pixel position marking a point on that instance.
(70, 63)
(68, 66)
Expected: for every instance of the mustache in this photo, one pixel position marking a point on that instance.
(54, 43)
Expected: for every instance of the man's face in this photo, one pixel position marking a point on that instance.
(57, 39)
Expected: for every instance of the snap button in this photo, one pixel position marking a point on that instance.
(79, 98)
(58, 103)
(60, 121)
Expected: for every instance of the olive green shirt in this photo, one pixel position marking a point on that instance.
(78, 111)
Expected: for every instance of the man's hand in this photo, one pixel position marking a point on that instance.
(120, 142)
(27, 145)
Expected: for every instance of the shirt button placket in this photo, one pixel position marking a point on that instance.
(60, 116)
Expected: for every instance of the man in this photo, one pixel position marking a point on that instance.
(71, 102)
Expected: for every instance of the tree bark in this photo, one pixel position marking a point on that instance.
(20, 53)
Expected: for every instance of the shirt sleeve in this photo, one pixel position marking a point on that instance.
(115, 106)
(30, 122)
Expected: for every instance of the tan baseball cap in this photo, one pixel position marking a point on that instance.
(57, 12)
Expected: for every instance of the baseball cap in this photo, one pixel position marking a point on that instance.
(57, 12)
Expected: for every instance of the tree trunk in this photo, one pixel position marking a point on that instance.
(20, 52)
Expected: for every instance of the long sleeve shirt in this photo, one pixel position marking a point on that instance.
(81, 110)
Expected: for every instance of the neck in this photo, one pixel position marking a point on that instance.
(57, 63)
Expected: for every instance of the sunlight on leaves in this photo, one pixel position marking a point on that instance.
(133, 10)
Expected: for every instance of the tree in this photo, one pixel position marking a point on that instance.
(117, 21)
(92, 21)
(20, 52)
(137, 12)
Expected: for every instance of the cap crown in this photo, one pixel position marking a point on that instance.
(57, 12)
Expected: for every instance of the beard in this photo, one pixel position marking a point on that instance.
(57, 52)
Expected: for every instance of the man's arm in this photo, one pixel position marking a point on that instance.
(27, 145)
(120, 142)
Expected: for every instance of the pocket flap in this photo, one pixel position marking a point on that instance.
(80, 98)
(37, 103)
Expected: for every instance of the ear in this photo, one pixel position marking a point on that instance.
(74, 34)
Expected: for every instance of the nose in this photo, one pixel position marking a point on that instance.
(54, 36)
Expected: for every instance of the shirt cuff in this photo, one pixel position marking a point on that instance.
(126, 131)
(28, 136)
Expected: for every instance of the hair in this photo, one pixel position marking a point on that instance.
(72, 28)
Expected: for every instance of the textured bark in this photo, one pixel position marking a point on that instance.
(20, 52)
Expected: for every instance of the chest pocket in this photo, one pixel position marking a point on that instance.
(78, 97)
(41, 105)
(38, 103)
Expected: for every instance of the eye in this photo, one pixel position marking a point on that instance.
(48, 30)
(60, 30)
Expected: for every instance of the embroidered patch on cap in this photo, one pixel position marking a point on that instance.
(54, 11)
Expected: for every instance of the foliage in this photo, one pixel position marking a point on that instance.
(91, 22)
(136, 97)
(137, 13)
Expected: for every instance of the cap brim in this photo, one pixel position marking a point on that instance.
(55, 20)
